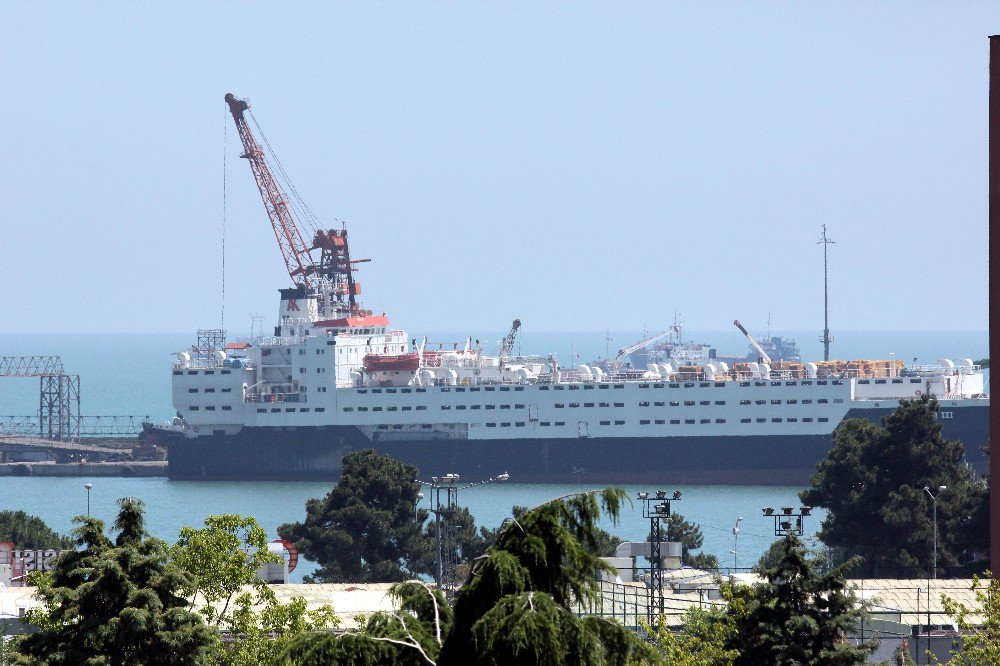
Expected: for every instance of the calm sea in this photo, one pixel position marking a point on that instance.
(129, 374)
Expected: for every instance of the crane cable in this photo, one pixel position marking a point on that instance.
(301, 208)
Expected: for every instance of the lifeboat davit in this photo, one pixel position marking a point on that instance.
(384, 362)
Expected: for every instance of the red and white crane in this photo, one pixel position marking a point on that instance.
(332, 275)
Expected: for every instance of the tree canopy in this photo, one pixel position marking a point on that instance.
(30, 532)
(224, 558)
(364, 529)
(980, 643)
(872, 485)
(702, 640)
(517, 606)
(116, 602)
(797, 616)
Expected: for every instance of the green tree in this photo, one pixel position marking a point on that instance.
(261, 628)
(872, 485)
(702, 640)
(30, 532)
(797, 616)
(411, 636)
(517, 606)
(117, 602)
(364, 529)
(980, 642)
(604, 545)
(224, 558)
(691, 538)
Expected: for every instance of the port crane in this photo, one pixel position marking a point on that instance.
(508, 342)
(622, 353)
(332, 275)
(760, 350)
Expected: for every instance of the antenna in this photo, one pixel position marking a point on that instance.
(826, 339)
(225, 148)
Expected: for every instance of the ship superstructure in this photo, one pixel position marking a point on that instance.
(335, 377)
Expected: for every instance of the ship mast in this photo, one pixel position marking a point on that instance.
(826, 339)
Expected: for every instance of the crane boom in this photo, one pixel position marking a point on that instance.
(639, 345)
(298, 261)
(508, 342)
(760, 350)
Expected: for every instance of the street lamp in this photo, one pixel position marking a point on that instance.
(88, 486)
(934, 499)
(416, 505)
(736, 541)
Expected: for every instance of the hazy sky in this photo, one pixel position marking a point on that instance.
(580, 166)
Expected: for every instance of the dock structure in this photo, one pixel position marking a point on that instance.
(10, 442)
(59, 433)
(58, 393)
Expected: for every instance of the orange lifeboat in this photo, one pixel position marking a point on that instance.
(386, 362)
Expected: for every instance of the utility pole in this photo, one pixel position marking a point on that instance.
(826, 339)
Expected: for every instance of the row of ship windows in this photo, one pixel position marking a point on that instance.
(521, 424)
(422, 408)
(260, 410)
(445, 389)
(807, 419)
(560, 405)
(206, 372)
(692, 403)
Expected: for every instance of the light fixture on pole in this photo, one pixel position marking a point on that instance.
(444, 506)
(788, 520)
(934, 499)
(88, 486)
(736, 542)
(416, 505)
(657, 510)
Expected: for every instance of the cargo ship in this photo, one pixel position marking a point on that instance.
(336, 377)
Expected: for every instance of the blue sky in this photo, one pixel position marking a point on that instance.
(580, 166)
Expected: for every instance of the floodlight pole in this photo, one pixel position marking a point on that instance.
(784, 525)
(444, 505)
(656, 509)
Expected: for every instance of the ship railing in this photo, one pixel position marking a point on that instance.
(280, 341)
(210, 363)
(923, 370)
(255, 397)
